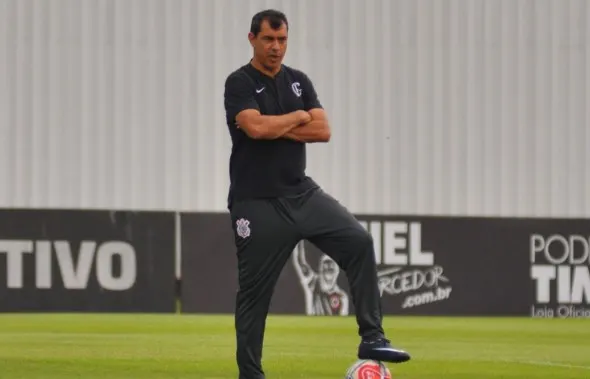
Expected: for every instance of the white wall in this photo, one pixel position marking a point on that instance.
(478, 107)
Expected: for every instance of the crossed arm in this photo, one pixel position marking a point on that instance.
(316, 130)
(302, 126)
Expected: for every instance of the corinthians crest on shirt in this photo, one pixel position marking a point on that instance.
(405, 268)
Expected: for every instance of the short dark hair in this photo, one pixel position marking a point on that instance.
(275, 19)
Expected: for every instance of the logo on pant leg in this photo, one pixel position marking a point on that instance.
(243, 228)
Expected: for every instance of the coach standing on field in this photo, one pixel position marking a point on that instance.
(272, 111)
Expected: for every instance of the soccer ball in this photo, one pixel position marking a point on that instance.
(367, 369)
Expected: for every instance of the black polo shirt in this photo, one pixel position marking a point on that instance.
(267, 168)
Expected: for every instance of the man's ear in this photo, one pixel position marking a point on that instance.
(251, 38)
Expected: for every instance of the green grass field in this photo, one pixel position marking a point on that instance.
(46, 346)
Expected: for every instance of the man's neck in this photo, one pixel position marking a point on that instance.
(263, 69)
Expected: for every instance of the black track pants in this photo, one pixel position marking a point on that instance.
(266, 233)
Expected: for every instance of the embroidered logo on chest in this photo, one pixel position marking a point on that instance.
(296, 87)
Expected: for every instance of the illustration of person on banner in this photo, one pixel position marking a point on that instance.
(323, 295)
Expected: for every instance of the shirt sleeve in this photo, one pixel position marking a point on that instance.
(238, 96)
(310, 96)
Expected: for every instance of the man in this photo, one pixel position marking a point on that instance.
(323, 295)
(272, 111)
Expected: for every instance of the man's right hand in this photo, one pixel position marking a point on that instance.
(305, 117)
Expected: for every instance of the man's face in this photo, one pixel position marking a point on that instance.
(270, 45)
(329, 272)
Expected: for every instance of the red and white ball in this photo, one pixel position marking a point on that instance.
(367, 369)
